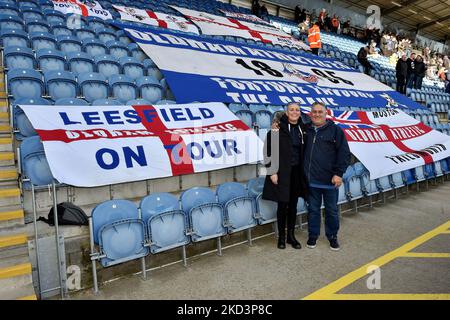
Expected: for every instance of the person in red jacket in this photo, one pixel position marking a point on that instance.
(314, 38)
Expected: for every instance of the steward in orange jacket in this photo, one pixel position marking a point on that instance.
(314, 38)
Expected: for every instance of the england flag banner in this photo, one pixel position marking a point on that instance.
(213, 25)
(243, 16)
(206, 69)
(158, 19)
(390, 141)
(101, 145)
(85, 8)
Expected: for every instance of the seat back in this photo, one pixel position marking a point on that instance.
(60, 84)
(131, 67)
(17, 57)
(157, 203)
(255, 186)
(51, 60)
(25, 83)
(122, 88)
(107, 65)
(34, 163)
(93, 86)
(150, 89)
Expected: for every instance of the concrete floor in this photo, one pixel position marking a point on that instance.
(265, 272)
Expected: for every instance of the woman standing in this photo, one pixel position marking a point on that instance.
(286, 181)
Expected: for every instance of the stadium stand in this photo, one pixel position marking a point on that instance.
(45, 62)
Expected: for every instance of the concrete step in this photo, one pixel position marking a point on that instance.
(6, 144)
(8, 173)
(13, 241)
(11, 217)
(4, 116)
(16, 280)
(6, 159)
(21, 293)
(9, 197)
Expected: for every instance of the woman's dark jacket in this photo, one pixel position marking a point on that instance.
(419, 69)
(280, 192)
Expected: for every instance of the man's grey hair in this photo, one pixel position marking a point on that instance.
(318, 103)
(277, 116)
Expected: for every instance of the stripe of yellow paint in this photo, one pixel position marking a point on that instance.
(32, 297)
(6, 156)
(14, 240)
(446, 232)
(6, 193)
(14, 271)
(389, 296)
(346, 280)
(425, 255)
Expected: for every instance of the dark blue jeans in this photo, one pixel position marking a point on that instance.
(330, 199)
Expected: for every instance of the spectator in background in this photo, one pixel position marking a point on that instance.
(297, 13)
(362, 58)
(264, 13)
(411, 63)
(303, 15)
(419, 72)
(256, 8)
(446, 62)
(304, 26)
(314, 38)
(328, 24)
(335, 23)
(401, 71)
(346, 27)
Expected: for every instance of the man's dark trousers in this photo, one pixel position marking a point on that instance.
(330, 199)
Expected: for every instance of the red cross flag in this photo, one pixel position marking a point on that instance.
(84, 8)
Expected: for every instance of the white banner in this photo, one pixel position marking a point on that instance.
(157, 19)
(243, 16)
(210, 24)
(84, 8)
(391, 141)
(94, 146)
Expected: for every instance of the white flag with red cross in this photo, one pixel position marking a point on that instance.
(88, 146)
(214, 25)
(85, 8)
(158, 19)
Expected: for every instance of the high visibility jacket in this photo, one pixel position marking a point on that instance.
(314, 37)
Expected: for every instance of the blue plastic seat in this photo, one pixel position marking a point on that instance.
(9, 9)
(136, 52)
(397, 180)
(60, 84)
(94, 47)
(256, 107)
(246, 116)
(20, 120)
(11, 22)
(107, 65)
(150, 89)
(165, 102)
(71, 102)
(117, 49)
(131, 67)
(43, 40)
(234, 107)
(19, 58)
(239, 208)
(34, 163)
(80, 62)
(106, 102)
(32, 14)
(25, 83)
(154, 72)
(166, 223)
(84, 33)
(51, 60)
(11, 38)
(429, 171)
(123, 38)
(266, 211)
(205, 214)
(122, 88)
(438, 169)
(69, 44)
(37, 25)
(105, 35)
(60, 29)
(95, 23)
(93, 86)
(118, 231)
(138, 102)
(54, 16)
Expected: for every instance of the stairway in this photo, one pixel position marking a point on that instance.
(15, 268)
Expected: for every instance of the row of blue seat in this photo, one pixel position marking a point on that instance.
(28, 83)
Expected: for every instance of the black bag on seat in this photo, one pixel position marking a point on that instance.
(68, 214)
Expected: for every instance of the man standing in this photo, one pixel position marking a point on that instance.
(314, 38)
(327, 156)
(411, 63)
(362, 58)
(401, 71)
